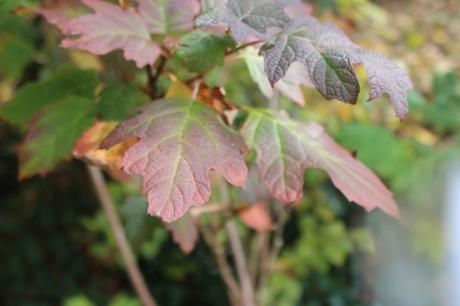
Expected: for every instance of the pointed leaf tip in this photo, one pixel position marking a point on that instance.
(286, 148)
(329, 57)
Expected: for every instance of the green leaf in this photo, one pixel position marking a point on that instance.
(32, 98)
(7, 6)
(124, 300)
(201, 51)
(118, 100)
(445, 87)
(443, 113)
(378, 148)
(15, 54)
(53, 133)
(78, 300)
(16, 26)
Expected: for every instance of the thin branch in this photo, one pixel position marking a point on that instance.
(248, 296)
(252, 43)
(150, 82)
(277, 244)
(258, 253)
(222, 263)
(208, 209)
(196, 88)
(153, 78)
(134, 273)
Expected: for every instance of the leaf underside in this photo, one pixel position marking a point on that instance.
(286, 148)
(247, 18)
(180, 142)
(111, 27)
(184, 232)
(329, 57)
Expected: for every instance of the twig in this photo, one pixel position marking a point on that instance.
(258, 250)
(247, 290)
(153, 78)
(267, 264)
(134, 273)
(222, 263)
(244, 46)
(208, 209)
(274, 101)
(196, 88)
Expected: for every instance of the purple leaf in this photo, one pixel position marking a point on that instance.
(162, 17)
(109, 28)
(329, 57)
(285, 148)
(180, 142)
(289, 86)
(184, 232)
(60, 13)
(247, 18)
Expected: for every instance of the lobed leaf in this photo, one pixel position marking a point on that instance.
(247, 18)
(201, 51)
(289, 86)
(168, 16)
(180, 141)
(119, 100)
(61, 13)
(329, 57)
(33, 97)
(110, 27)
(53, 133)
(286, 148)
(184, 232)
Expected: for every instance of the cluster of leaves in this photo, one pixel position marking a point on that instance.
(175, 141)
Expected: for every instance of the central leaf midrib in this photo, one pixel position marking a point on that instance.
(179, 156)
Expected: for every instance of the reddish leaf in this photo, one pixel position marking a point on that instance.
(162, 17)
(257, 217)
(109, 28)
(181, 140)
(184, 232)
(286, 148)
(61, 13)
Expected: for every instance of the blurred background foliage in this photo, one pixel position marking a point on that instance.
(57, 248)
